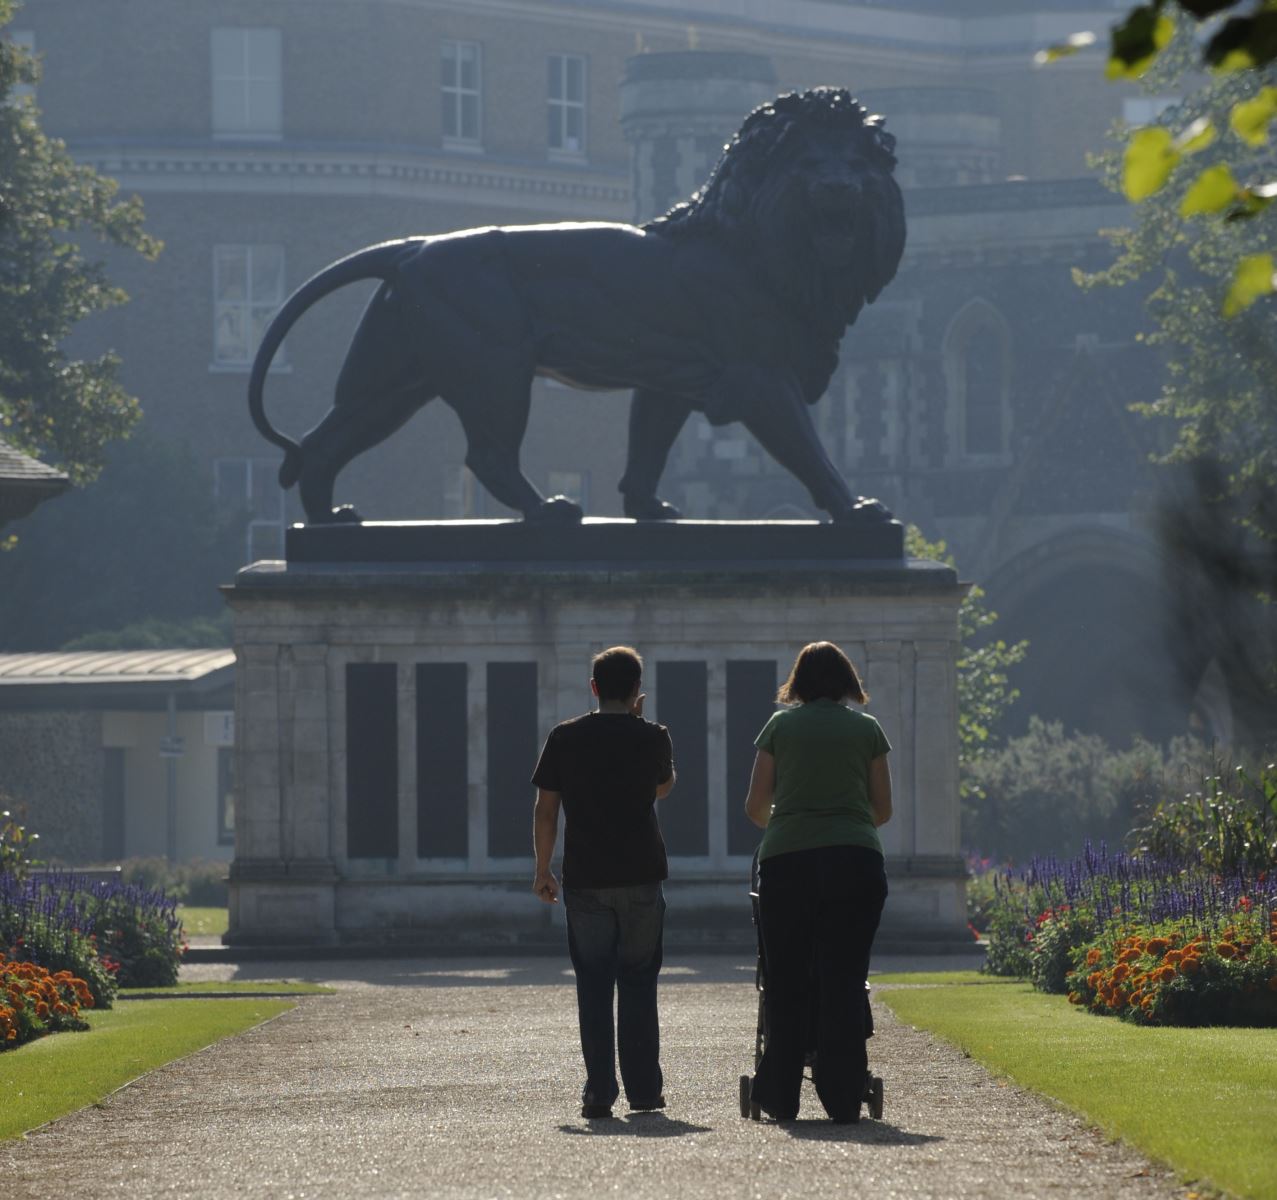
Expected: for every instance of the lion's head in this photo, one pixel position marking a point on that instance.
(806, 187)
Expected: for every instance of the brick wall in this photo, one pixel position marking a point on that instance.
(51, 766)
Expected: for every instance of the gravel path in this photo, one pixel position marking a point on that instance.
(459, 1079)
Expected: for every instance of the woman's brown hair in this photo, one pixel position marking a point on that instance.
(822, 672)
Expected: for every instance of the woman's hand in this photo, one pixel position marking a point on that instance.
(762, 787)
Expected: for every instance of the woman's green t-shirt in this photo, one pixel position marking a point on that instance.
(822, 751)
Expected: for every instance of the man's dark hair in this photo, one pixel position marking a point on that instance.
(822, 672)
(616, 672)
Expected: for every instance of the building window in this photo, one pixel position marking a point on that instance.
(977, 364)
(225, 796)
(462, 91)
(247, 83)
(982, 410)
(248, 288)
(566, 98)
(21, 39)
(250, 487)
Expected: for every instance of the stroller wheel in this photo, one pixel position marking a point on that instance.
(744, 1096)
(873, 1097)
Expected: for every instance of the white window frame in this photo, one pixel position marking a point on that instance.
(259, 468)
(453, 95)
(24, 39)
(560, 104)
(248, 304)
(262, 114)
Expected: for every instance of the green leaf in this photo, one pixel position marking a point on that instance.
(1137, 41)
(1071, 45)
(1252, 278)
(1150, 158)
(1199, 135)
(1214, 189)
(1250, 119)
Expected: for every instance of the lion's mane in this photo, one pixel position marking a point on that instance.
(735, 205)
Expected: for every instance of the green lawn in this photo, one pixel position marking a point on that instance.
(272, 987)
(1202, 1100)
(55, 1075)
(955, 977)
(201, 922)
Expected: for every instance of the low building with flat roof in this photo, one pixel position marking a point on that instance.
(120, 754)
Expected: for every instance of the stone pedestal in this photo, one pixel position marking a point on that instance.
(389, 714)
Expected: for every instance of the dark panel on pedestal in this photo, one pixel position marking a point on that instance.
(751, 700)
(443, 777)
(512, 756)
(372, 760)
(681, 695)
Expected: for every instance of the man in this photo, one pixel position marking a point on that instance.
(606, 770)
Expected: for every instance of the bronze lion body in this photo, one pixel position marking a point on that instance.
(732, 304)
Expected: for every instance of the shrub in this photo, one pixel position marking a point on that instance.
(1229, 820)
(1177, 973)
(16, 844)
(134, 933)
(35, 1001)
(1049, 791)
(199, 882)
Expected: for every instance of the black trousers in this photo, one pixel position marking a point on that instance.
(818, 911)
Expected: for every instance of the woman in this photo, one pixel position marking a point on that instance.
(820, 789)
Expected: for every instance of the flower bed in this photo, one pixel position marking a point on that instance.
(110, 934)
(1178, 974)
(35, 1001)
(1156, 940)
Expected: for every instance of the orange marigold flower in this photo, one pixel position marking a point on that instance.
(1093, 956)
(1190, 964)
(1076, 997)
(1172, 958)
(1226, 950)
(1120, 972)
(1094, 979)
(1157, 946)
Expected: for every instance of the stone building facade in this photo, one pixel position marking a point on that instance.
(985, 397)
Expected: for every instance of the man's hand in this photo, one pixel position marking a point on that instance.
(546, 886)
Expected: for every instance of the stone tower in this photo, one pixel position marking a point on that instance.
(678, 110)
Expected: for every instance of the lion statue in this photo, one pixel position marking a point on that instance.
(732, 304)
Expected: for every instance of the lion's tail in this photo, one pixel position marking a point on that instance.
(374, 262)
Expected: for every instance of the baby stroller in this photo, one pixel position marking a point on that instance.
(750, 1110)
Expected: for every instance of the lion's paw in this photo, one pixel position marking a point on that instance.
(865, 511)
(649, 508)
(557, 510)
(344, 514)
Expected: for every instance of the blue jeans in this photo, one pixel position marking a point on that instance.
(614, 938)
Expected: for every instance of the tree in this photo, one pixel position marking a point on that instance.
(1202, 177)
(64, 410)
(984, 689)
(1240, 50)
(80, 569)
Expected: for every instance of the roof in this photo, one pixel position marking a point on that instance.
(95, 678)
(25, 482)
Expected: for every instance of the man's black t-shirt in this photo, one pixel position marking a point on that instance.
(607, 767)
